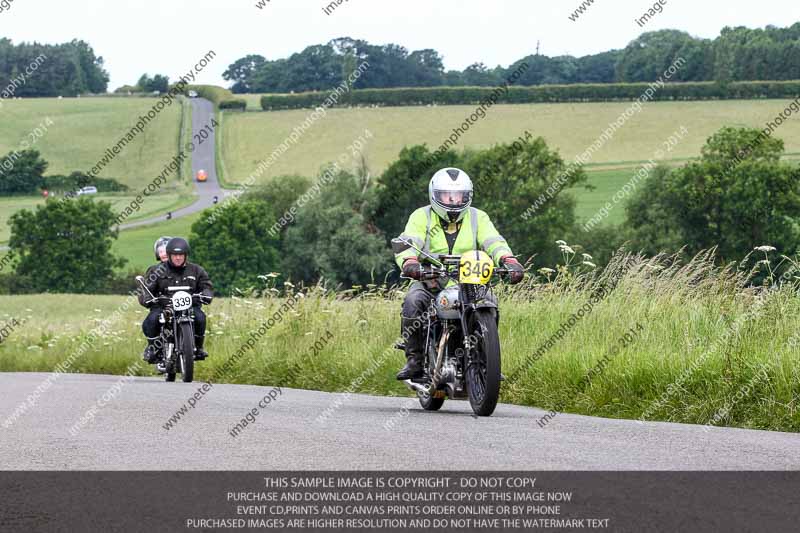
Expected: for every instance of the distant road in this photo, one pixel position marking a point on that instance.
(128, 433)
(203, 158)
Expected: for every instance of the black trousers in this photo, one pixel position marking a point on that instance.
(418, 300)
(152, 328)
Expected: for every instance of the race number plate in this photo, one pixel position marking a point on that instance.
(476, 268)
(181, 301)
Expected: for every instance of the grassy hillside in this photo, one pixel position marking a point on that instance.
(83, 128)
(136, 245)
(250, 137)
(154, 206)
(730, 350)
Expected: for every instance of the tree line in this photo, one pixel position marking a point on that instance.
(66, 69)
(737, 54)
(606, 92)
(738, 196)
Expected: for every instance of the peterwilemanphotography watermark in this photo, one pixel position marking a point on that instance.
(137, 129)
(480, 112)
(586, 156)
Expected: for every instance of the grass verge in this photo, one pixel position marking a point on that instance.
(704, 339)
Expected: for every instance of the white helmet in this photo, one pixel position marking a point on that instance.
(450, 193)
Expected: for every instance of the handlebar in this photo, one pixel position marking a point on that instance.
(432, 272)
(198, 295)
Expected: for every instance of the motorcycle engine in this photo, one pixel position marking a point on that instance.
(448, 372)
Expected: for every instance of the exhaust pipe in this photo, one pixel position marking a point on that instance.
(416, 387)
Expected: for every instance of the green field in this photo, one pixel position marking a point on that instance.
(83, 128)
(154, 206)
(253, 101)
(250, 137)
(136, 245)
(694, 326)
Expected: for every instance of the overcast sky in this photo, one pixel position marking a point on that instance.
(168, 37)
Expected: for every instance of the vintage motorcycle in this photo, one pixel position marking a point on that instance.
(176, 343)
(462, 354)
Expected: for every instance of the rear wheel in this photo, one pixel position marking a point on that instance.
(187, 353)
(483, 372)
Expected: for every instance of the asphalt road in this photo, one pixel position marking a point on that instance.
(128, 433)
(203, 157)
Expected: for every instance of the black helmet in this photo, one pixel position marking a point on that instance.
(162, 241)
(178, 245)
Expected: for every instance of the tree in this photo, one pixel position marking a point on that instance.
(598, 68)
(156, 83)
(648, 56)
(509, 180)
(241, 72)
(479, 75)
(64, 69)
(65, 245)
(22, 172)
(736, 197)
(403, 187)
(427, 68)
(235, 246)
(331, 238)
(279, 196)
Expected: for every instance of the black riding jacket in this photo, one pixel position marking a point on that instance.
(163, 275)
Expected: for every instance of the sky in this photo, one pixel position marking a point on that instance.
(170, 36)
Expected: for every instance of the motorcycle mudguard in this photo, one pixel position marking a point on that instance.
(488, 304)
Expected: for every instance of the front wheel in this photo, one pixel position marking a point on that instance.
(483, 372)
(187, 353)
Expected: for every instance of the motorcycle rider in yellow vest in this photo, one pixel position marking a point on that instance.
(449, 225)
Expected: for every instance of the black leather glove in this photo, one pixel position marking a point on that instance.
(412, 268)
(517, 272)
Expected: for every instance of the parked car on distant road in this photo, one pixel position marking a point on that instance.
(87, 190)
(202, 176)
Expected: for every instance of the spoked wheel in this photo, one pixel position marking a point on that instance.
(483, 372)
(187, 353)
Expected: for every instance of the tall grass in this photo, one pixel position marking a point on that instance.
(706, 334)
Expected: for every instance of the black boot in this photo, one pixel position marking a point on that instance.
(414, 334)
(413, 368)
(199, 352)
(151, 352)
